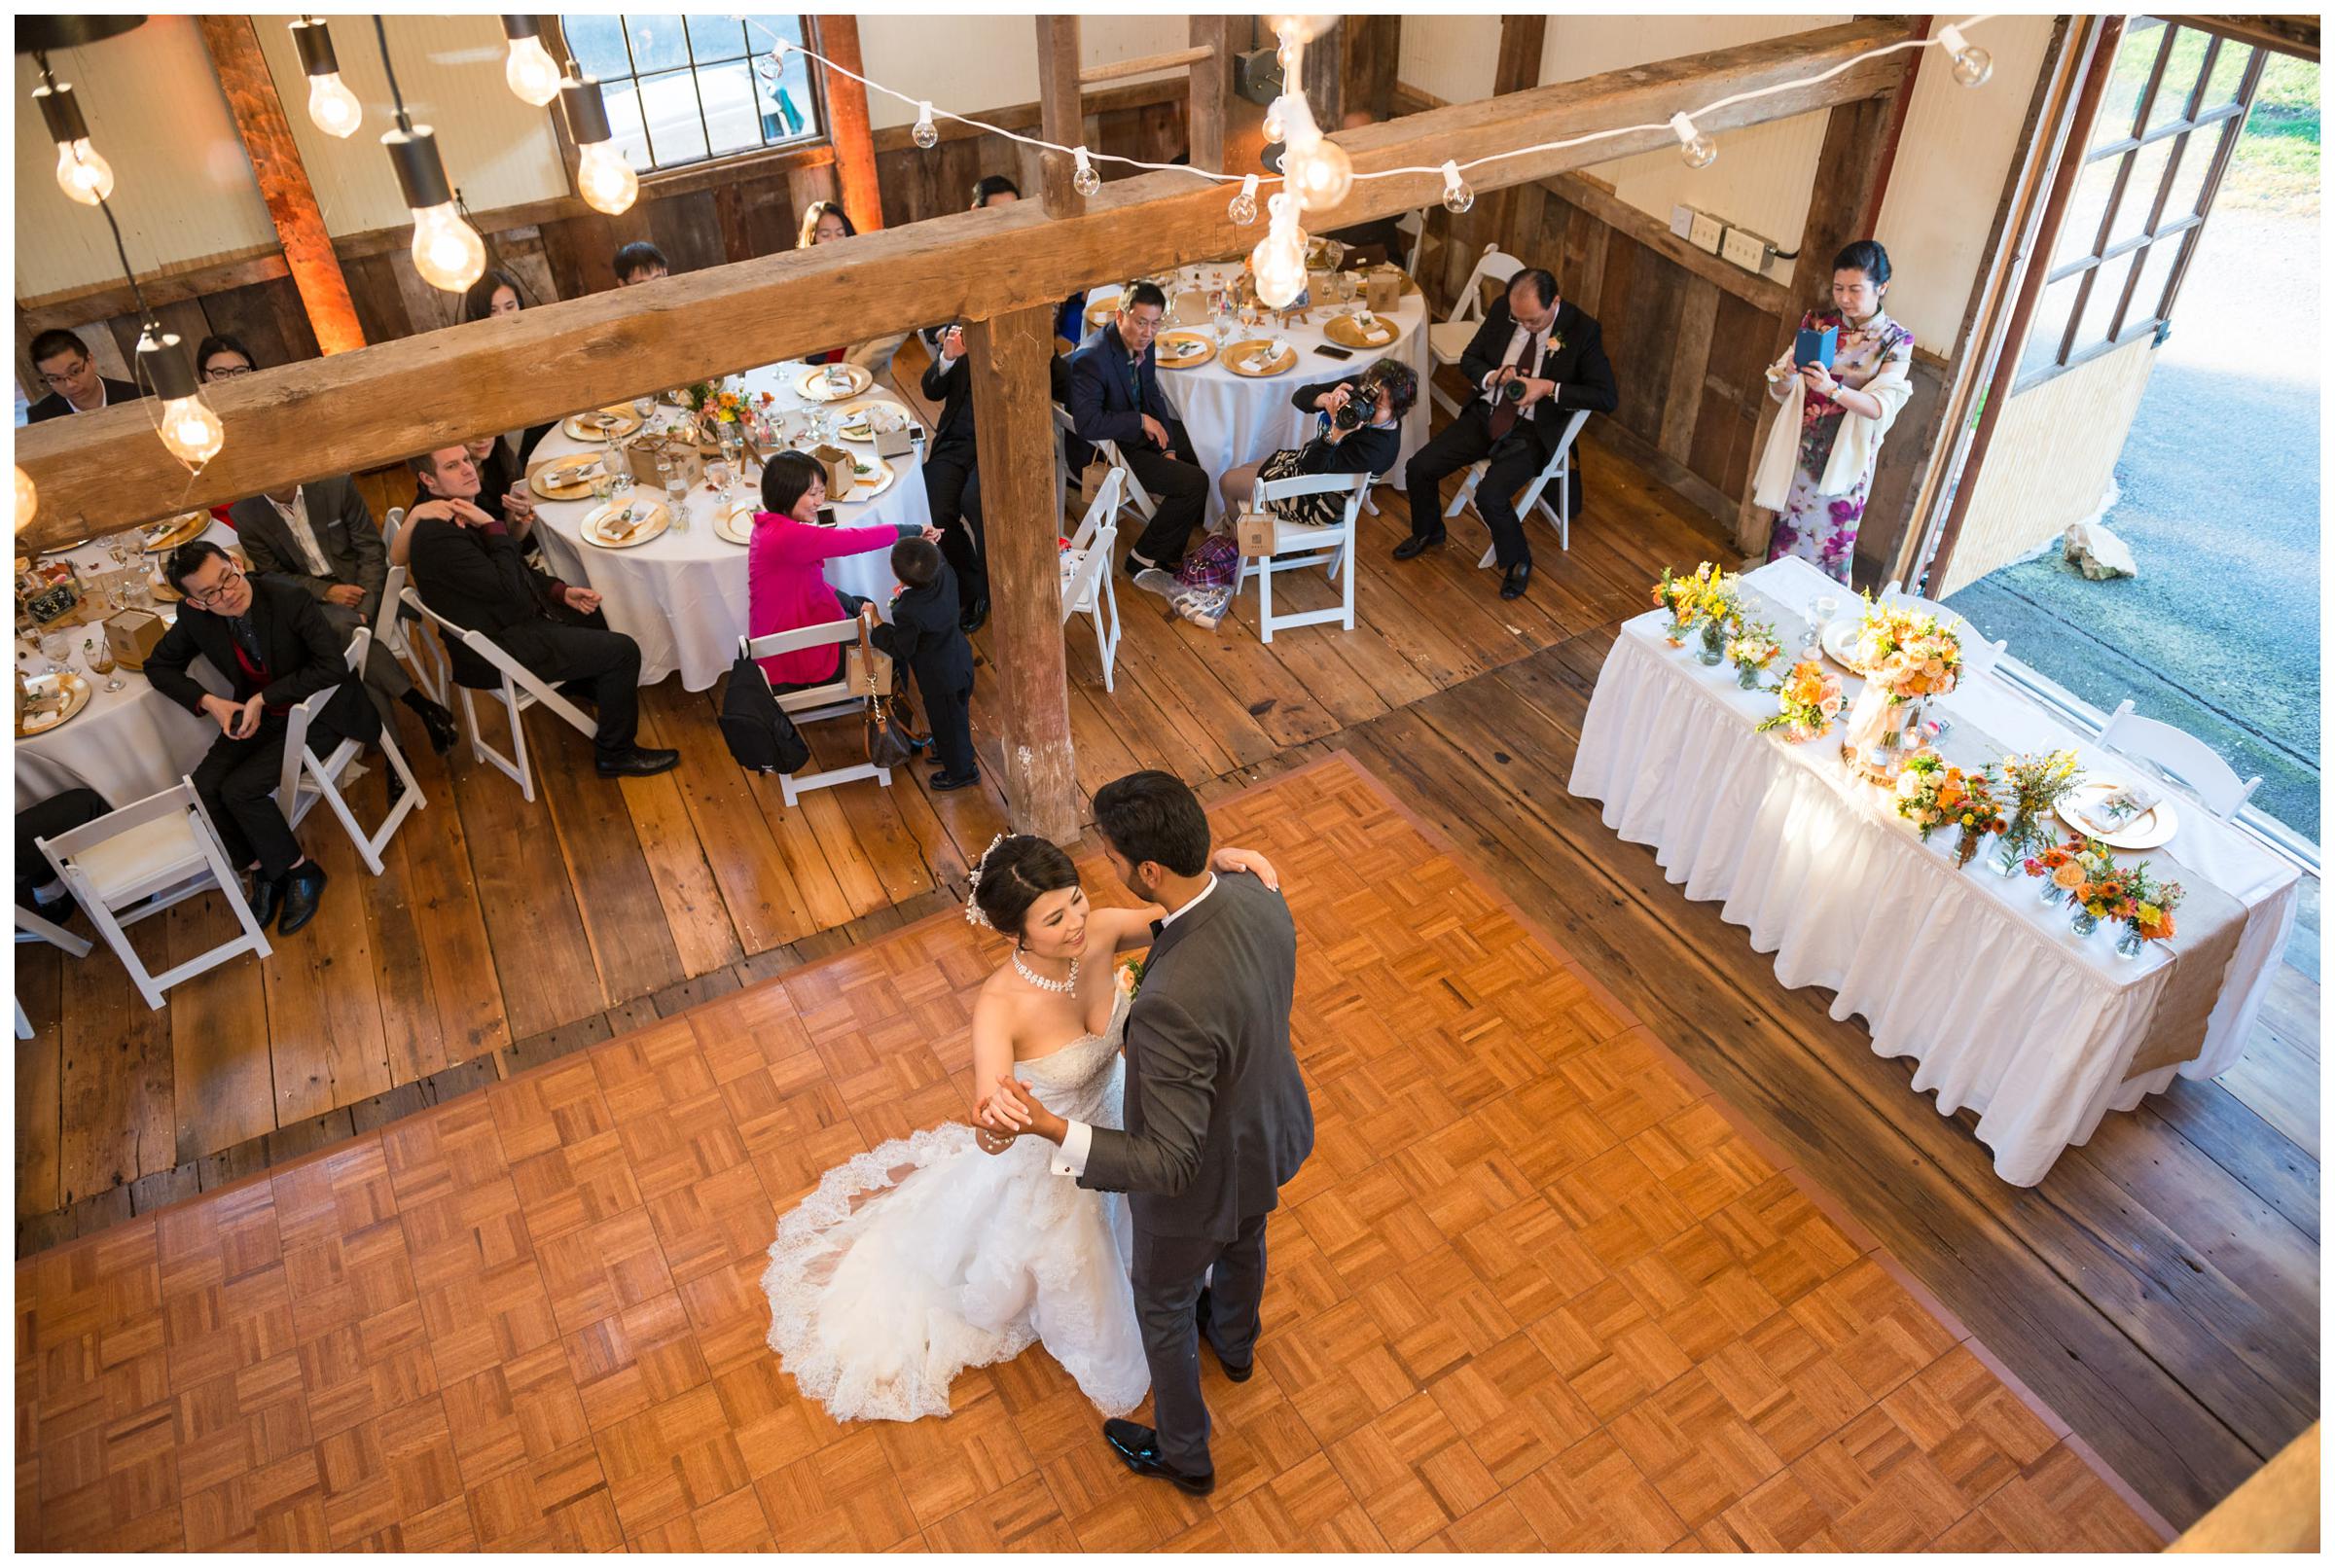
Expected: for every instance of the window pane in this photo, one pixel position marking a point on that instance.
(2156, 270)
(624, 119)
(2051, 320)
(2140, 191)
(669, 105)
(598, 45)
(2181, 78)
(2229, 70)
(733, 112)
(2100, 309)
(2189, 178)
(2087, 206)
(659, 44)
(2135, 58)
(716, 38)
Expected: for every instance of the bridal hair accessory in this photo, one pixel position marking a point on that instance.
(973, 915)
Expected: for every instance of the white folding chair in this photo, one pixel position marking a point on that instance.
(141, 859)
(2181, 755)
(1066, 431)
(389, 630)
(1557, 471)
(32, 927)
(1447, 340)
(1087, 586)
(309, 778)
(1979, 655)
(517, 690)
(836, 700)
(1298, 544)
(1413, 226)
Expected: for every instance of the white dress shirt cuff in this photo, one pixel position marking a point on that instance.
(1072, 1159)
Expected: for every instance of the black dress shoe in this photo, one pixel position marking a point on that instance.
(637, 762)
(1138, 1447)
(943, 781)
(438, 724)
(1240, 1374)
(267, 897)
(1417, 545)
(1519, 577)
(303, 888)
(975, 618)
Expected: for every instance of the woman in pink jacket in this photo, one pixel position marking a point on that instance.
(786, 586)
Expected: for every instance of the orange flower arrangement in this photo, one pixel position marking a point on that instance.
(1806, 702)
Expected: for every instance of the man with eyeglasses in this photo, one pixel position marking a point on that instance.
(71, 376)
(271, 642)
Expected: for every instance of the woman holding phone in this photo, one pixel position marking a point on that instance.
(1816, 468)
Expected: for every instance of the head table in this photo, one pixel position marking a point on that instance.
(682, 595)
(2004, 1007)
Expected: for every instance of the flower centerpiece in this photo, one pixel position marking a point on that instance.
(1933, 793)
(1722, 615)
(2084, 875)
(2035, 783)
(1685, 597)
(713, 405)
(1806, 702)
(1907, 657)
(1751, 650)
(2151, 919)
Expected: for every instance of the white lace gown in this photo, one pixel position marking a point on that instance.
(926, 1256)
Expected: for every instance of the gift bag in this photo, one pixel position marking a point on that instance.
(1383, 291)
(1255, 532)
(838, 464)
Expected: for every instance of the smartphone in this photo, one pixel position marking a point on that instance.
(826, 516)
(1333, 351)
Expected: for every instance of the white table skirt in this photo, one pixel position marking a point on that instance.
(2002, 1007)
(682, 595)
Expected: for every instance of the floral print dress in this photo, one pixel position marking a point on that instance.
(1816, 527)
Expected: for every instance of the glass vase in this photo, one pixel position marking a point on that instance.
(2130, 941)
(2085, 922)
(1711, 647)
(2053, 891)
(2011, 857)
(1747, 676)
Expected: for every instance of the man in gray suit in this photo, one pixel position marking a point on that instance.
(320, 535)
(1217, 1117)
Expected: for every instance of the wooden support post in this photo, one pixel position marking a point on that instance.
(1323, 72)
(1061, 113)
(1205, 116)
(1373, 48)
(847, 124)
(1012, 424)
(1516, 70)
(234, 50)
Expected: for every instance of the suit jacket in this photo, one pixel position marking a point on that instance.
(924, 636)
(1104, 405)
(1217, 1115)
(952, 390)
(1583, 375)
(480, 582)
(301, 651)
(55, 406)
(344, 530)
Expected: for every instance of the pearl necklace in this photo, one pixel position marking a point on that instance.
(1060, 987)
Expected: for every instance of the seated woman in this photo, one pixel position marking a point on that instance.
(222, 358)
(1384, 393)
(823, 224)
(786, 582)
(499, 292)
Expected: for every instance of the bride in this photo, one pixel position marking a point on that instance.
(926, 1256)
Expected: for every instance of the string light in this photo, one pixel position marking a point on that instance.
(603, 179)
(28, 500)
(1315, 169)
(1699, 150)
(927, 134)
(1304, 29)
(447, 252)
(531, 72)
(332, 108)
(1278, 260)
(81, 173)
(1243, 206)
(1276, 126)
(1083, 180)
(190, 428)
(1972, 65)
(1457, 197)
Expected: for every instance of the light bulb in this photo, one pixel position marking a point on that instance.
(1697, 148)
(28, 500)
(531, 72)
(1457, 197)
(1276, 126)
(1279, 260)
(1244, 207)
(604, 180)
(447, 252)
(191, 430)
(1291, 58)
(333, 108)
(1085, 181)
(1972, 65)
(927, 134)
(1305, 30)
(1319, 175)
(82, 174)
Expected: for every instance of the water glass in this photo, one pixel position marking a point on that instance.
(57, 649)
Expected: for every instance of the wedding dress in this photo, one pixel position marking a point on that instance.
(926, 1256)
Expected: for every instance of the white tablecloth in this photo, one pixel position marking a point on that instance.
(2005, 1010)
(127, 744)
(1235, 420)
(682, 595)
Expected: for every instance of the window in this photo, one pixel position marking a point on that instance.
(681, 89)
(2175, 101)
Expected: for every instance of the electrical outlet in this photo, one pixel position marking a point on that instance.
(1682, 221)
(1705, 232)
(1747, 250)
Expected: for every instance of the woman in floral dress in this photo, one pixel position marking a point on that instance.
(1833, 420)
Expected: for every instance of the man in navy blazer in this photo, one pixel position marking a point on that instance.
(1115, 397)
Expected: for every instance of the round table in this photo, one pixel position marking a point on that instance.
(127, 744)
(1235, 420)
(682, 595)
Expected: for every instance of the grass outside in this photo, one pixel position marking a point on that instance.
(2276, 161)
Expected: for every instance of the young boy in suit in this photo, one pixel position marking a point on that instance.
(927, 637)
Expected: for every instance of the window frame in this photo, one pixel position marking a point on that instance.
(783, 154)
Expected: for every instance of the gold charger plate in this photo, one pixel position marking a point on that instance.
(176, 532)
(867, 486)
(656, 517)
(598, 424)
(2151, 828)
(77, 697)
(1237, 357)
(1166, 340)
(541, 481)
(813, 383)
(739, 527)
(854, 424)
(1347, 333)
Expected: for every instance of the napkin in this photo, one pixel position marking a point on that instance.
(2121, 806)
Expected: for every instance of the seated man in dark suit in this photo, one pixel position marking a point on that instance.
(953, 477)
(478, 580)
(269, 639)
(1535, 358)
(319, 536)
(1115, 396)
(63, 362)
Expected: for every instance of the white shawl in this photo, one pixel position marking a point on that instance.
(1855, 445)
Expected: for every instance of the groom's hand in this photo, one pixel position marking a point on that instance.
(1015, 1103)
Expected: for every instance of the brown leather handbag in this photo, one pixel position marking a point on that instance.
(887, 737)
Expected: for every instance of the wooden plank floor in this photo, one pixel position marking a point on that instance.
(1537, 1288)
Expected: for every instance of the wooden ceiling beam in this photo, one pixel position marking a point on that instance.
(105, 470)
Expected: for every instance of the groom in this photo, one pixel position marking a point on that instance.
(1217, 1117)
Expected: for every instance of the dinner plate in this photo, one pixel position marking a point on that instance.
(77, 697)
(813, 384)
(739, 527)
(658, 516)
(1202, 349)
(543, 478)
(2151, 829)
(1840, 641)
(1237, 358)
(854, 422)
(1347, 333)
(600, 424)
(175, 532)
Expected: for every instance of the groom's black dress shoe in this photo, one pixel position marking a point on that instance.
(1238, 1374)
(1139, 1446)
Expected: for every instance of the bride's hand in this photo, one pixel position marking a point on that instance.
(992, 1141)
(1248, 860)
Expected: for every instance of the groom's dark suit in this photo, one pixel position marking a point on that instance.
(1217, 1118)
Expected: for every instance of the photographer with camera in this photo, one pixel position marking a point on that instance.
(1359, 430)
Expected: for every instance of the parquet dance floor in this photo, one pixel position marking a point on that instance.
(1537, 1289)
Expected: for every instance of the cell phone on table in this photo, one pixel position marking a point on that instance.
(1333, 351)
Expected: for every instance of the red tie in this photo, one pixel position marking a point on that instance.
(1505, 413)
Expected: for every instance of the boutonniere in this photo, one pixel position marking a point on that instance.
(1131, 978)
(1556, 342)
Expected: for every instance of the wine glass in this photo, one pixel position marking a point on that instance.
(1827, 606)
(57, 649)
(644, 405)
(99, 657)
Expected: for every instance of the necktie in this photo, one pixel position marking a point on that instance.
(1505, 413)
(1158, 926)
(247, 635)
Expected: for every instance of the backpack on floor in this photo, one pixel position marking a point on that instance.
(761, 737)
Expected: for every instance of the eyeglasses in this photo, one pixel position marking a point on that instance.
(217, 592)
(220, 373)
(64, 378)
